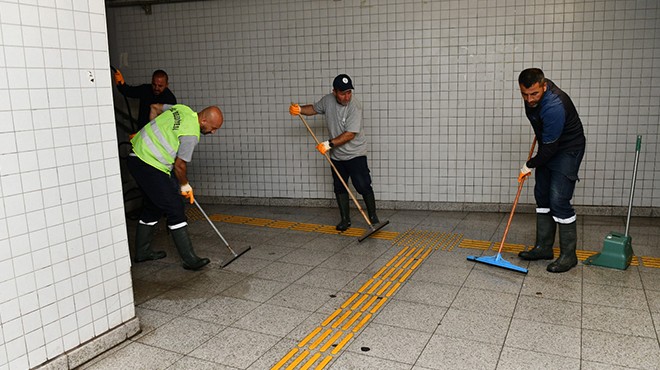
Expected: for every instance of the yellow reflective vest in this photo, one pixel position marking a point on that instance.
(158, 142)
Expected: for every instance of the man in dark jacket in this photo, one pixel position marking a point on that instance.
(156, 93)
(560, 135)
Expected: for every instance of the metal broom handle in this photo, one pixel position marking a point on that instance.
(638, 147)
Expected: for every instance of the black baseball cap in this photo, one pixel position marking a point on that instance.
(342, 83)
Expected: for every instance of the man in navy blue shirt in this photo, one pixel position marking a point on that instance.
(158, 92)
(559, 132)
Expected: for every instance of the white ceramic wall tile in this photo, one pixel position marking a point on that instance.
(49, 86)
(439, 90)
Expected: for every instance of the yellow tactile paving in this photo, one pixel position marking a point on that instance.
(339, 327)
(258, 222)
(651, 262)
(475, 244)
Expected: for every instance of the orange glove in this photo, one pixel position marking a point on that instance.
(119, 78)
(187, 191)
(323, 147)
(524, 173)
(294, 109)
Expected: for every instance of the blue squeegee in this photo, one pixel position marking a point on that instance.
(497, 260)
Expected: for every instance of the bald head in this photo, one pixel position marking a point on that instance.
(210, 119)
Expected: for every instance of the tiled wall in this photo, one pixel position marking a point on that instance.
(64, 264)
(438, 80)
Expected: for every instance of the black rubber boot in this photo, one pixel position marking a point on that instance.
(185, 249)
(545, 237)
(143, 252)
(344, 212)
(567, 244)
(370, 202)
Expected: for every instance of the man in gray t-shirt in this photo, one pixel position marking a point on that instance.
(347, 145)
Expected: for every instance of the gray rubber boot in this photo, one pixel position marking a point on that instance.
(143, 252)
(185, 249)
(370, 202)
(545, 237)
(567, 244)
(344, 212)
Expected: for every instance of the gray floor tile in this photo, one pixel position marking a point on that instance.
(600, 275)
(176, 301)
(170, 274)
(135, 355)
(145, 290)
(538, 269)
(651, 279)
(358, 361)
(150, 320)
(222, 310)
(454, 353)
(282, 271)
(496, 279)
(456, 258)
(328, 243)
(591, 365)
(308, 325)
(347, 262)
(187, 363)
(253, 289)
(547, 338)
(247, 265)
(474, 326)
(306, 257)
(614, 296)
(294, 239)
(485, 301)
(326, 278)
(620, 350)
(212, 281)
(273, 355)
(516, 358)
(269, 251)
(369, 247)
(411, 315)
(549, 311)
(390, 343)
(301, 297)
(550, 288)
(181, 335)
(617, 320)
(427, 293)
(235, 347)
(656, 320)
(273, 320)
(441, 274)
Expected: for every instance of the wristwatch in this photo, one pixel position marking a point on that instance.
(331, 144)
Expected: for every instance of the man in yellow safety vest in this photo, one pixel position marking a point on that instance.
(161, 149)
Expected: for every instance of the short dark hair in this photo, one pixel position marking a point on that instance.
(160, 73)
(530, 76)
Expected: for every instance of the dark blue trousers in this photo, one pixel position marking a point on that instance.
(160, 193)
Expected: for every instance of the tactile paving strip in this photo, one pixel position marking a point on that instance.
(327, 340)
(193, 214)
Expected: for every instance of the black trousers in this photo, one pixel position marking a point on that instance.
(160, 192)
(355, 169)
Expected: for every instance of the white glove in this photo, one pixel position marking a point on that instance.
(524, 172)
(187, 192)
(323, 147)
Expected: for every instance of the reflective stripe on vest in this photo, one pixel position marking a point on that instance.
(157, 143)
